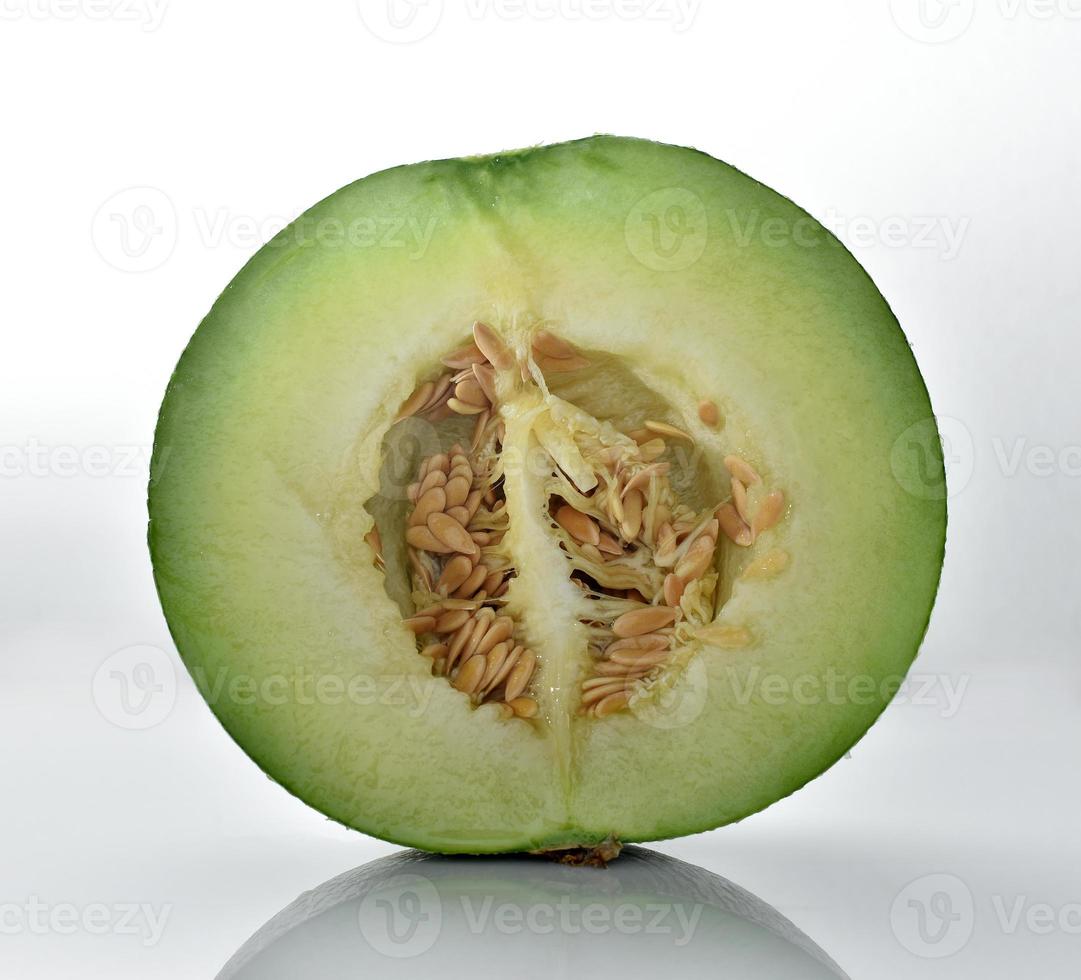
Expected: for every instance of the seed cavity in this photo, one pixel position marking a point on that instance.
(646, 564)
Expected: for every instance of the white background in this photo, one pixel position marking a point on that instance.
(941, 142)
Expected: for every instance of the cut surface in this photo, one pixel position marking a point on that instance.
(642, 553)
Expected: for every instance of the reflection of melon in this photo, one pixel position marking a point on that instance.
(639, 553)
(413, 915)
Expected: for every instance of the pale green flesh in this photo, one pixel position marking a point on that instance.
(268, 448)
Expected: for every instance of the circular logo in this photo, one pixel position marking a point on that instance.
(400, 21)
(135, 230)
(933, 916)
(402, 917)
(678, 705)
(932, 460)
(933, 21)
(135, 688)
(667, 230)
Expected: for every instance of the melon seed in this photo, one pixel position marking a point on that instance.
(549, 345)
(492, 346)
(422, 538)
(470, 674)
(520, 675)
(431, 502)
(579, 526)
(447, 530)
(696, 559)
(523, 707)
(640, 621)
(612, 703)
(769, 512)
(709, 413)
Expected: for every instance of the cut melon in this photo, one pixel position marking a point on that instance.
(589, 517)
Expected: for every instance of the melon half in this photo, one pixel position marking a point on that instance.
(560, 498)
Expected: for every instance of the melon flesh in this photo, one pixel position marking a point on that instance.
(273, 441)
